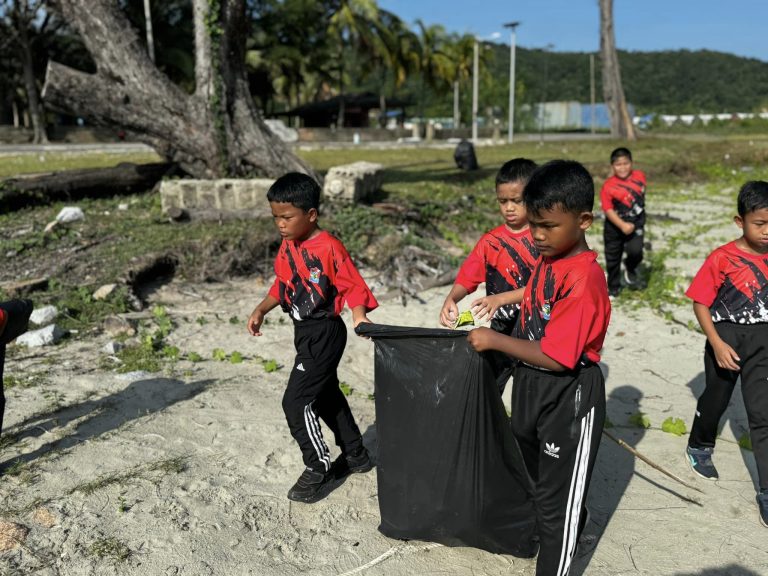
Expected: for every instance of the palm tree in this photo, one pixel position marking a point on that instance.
(460, 50)
(435, 65)
(352, 25)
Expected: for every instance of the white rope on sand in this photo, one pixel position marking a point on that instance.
(402, 548)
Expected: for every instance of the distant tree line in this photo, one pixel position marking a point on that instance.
(300, 51)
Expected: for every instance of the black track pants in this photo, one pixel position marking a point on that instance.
(2, 391)
(313, 391)
(750, 341)
(557, 419)
(616, 243)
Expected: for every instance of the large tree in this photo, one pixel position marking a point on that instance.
(613, 91)
(212, 132)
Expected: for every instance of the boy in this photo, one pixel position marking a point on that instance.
(730, 301)
(314, 277)
(503, 259)
(14, 319)
(623, 201)
(558, 398)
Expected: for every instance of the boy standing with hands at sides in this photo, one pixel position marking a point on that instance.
(558, 400)
(623, 201)
(730, 301)
(502, 258)
(314, 278)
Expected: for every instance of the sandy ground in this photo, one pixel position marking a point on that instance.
(185, 472)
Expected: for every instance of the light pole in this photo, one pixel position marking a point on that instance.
(511, 122)
(475, 89)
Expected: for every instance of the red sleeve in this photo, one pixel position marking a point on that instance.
(706, 283)
(605, 197)
(350, 284)
(274, 291)
(3, 321)
(640, 176)
(472, 271)
(569, 329)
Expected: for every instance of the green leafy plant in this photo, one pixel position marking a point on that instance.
(234, 320)
(345, 388)
(194, 357)
(674, 426)
(236, 357)
(219, 354)
(640, 419)
(270, 365)
(201, 320)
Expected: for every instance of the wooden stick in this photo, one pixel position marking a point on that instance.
(650, 462)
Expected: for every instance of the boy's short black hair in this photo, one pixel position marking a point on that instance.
(296, 188)
(621, 153)
(563, 183)
(515, 170)
(752, 196)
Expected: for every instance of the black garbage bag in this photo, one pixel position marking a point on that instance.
(449, 469)
(464, 156)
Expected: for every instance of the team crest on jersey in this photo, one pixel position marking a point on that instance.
(546, 310)
(314, 275)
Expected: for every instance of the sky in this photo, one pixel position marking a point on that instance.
(733, 26)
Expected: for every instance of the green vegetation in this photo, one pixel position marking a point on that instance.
(15, 165)
(270, 365)
(640, 419)
(745, 441)
(345, 388)
(674, 426)
(110, 549)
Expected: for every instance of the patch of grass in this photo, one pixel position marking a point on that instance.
(219, 354)
(234, 320)
(110, 549)
(194, 357)
(345, 388)
(15, 165)
(236, 357)
(674, 426)
(24, 380)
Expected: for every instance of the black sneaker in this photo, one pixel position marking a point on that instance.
(700, 460)
(630, 278)
(762, 507)
(311, 486)
(359, 462)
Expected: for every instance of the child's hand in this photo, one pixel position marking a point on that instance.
(361, 319)
(628, 228)
(726, 356)
(481, 339)
(255, 321)
(485, 307)
(449, 313)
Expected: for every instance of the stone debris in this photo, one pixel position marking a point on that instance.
(12, 535)
(112, 347)
(47, 336)
(115, 326)
(44, 316)
(70, 214)
(104, 292)
(354, 182)
(44, 517)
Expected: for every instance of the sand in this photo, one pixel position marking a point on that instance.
(185, 472)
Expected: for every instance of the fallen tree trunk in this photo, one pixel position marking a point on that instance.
(22, 191)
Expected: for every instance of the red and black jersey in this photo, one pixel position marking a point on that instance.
(626, 197)
(734, 285)
(315, 277)
(566, 308)
(503, 260)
